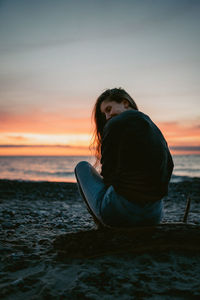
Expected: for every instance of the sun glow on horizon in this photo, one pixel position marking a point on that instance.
(45, 151)
(181, 139)
(73, 139)
(44, 144)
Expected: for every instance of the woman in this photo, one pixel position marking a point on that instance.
(136, 165)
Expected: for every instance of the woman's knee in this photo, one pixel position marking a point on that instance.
(82, 165)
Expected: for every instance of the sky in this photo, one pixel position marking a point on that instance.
(57, 57)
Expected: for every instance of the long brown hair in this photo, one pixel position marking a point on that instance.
(117, 95)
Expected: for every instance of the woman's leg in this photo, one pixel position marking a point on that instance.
(109, 208)
(91, 188)
(118, 212)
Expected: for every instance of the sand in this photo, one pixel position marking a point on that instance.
(33, 215)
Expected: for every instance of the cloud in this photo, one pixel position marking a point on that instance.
(186, 148)
(44, 122)
(18, 138)
(108, 20)
(42, 146)
(180, 129)
(12, 48)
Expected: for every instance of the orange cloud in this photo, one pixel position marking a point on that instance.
(178, 134)
(38, 122)
(43, 150)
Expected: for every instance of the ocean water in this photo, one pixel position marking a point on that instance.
(61, 168)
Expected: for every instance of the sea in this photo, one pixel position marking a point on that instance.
(61, 168)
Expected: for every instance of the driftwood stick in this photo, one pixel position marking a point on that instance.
(187, 210)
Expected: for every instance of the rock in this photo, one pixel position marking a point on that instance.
(8, 225)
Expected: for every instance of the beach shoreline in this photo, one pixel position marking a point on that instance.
(34, 214)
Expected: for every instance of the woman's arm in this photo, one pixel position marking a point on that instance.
(110, 152)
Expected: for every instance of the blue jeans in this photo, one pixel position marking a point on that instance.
(109, 207)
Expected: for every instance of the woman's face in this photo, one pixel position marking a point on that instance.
(112, 108)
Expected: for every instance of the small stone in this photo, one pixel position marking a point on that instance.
(8, 225)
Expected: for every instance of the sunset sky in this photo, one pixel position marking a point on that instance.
(57, 57)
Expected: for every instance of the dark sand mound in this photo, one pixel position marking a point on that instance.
(93, 243)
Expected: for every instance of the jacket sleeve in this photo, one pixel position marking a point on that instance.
(110, 152)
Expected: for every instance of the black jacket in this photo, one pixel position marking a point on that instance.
(135, 157)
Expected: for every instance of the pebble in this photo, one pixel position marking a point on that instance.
(8, 225)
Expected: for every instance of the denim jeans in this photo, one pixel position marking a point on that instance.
(109, 207)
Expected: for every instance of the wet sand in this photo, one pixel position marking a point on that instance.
(33, 215)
